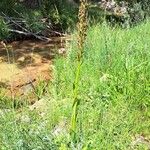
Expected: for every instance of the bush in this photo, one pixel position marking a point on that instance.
(137, 14)
(49, 15)
(7, 6)
(33, 21)
(145, 4)
(61, 13)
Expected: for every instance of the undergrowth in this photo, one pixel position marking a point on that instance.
(48, 17)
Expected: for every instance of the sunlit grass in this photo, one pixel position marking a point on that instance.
(114, 89)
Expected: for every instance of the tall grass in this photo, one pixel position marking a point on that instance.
(115, 90)
(114, 85)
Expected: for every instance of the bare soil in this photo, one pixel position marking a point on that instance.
(26, 62)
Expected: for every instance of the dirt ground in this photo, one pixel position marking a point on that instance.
(25, 62)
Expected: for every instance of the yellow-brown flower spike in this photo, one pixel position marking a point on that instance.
(82, 27)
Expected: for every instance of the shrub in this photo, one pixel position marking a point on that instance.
(33, 21)
(145, 4)
(61, 13)
(137, 14)
(7, 6)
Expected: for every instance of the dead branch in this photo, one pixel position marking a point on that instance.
(43, 38)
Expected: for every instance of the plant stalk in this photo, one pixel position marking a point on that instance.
(82, 29)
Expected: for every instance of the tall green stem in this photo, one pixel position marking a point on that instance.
(82, 28)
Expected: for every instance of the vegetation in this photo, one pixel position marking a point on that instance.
(105, 75)
(82, 29)
(114, 88)
(57, 15)
(31, 17)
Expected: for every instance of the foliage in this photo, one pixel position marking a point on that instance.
(60, 13)
(114, 89)
(136, 14)
(4, 32)
(114, 86)
(33, 21)
(7, 6)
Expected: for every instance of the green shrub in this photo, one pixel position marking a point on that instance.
(7, 6)
(61, 13)
(33, 21)
(137, 14)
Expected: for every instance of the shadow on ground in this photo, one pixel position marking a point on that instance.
(24, 53)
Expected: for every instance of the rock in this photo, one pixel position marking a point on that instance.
(140, 140)
(25, 119)
(40, 106)
(4, 111)
(60, 129)
(105, 77)
(61, 51)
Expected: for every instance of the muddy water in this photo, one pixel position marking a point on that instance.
(25, 62)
